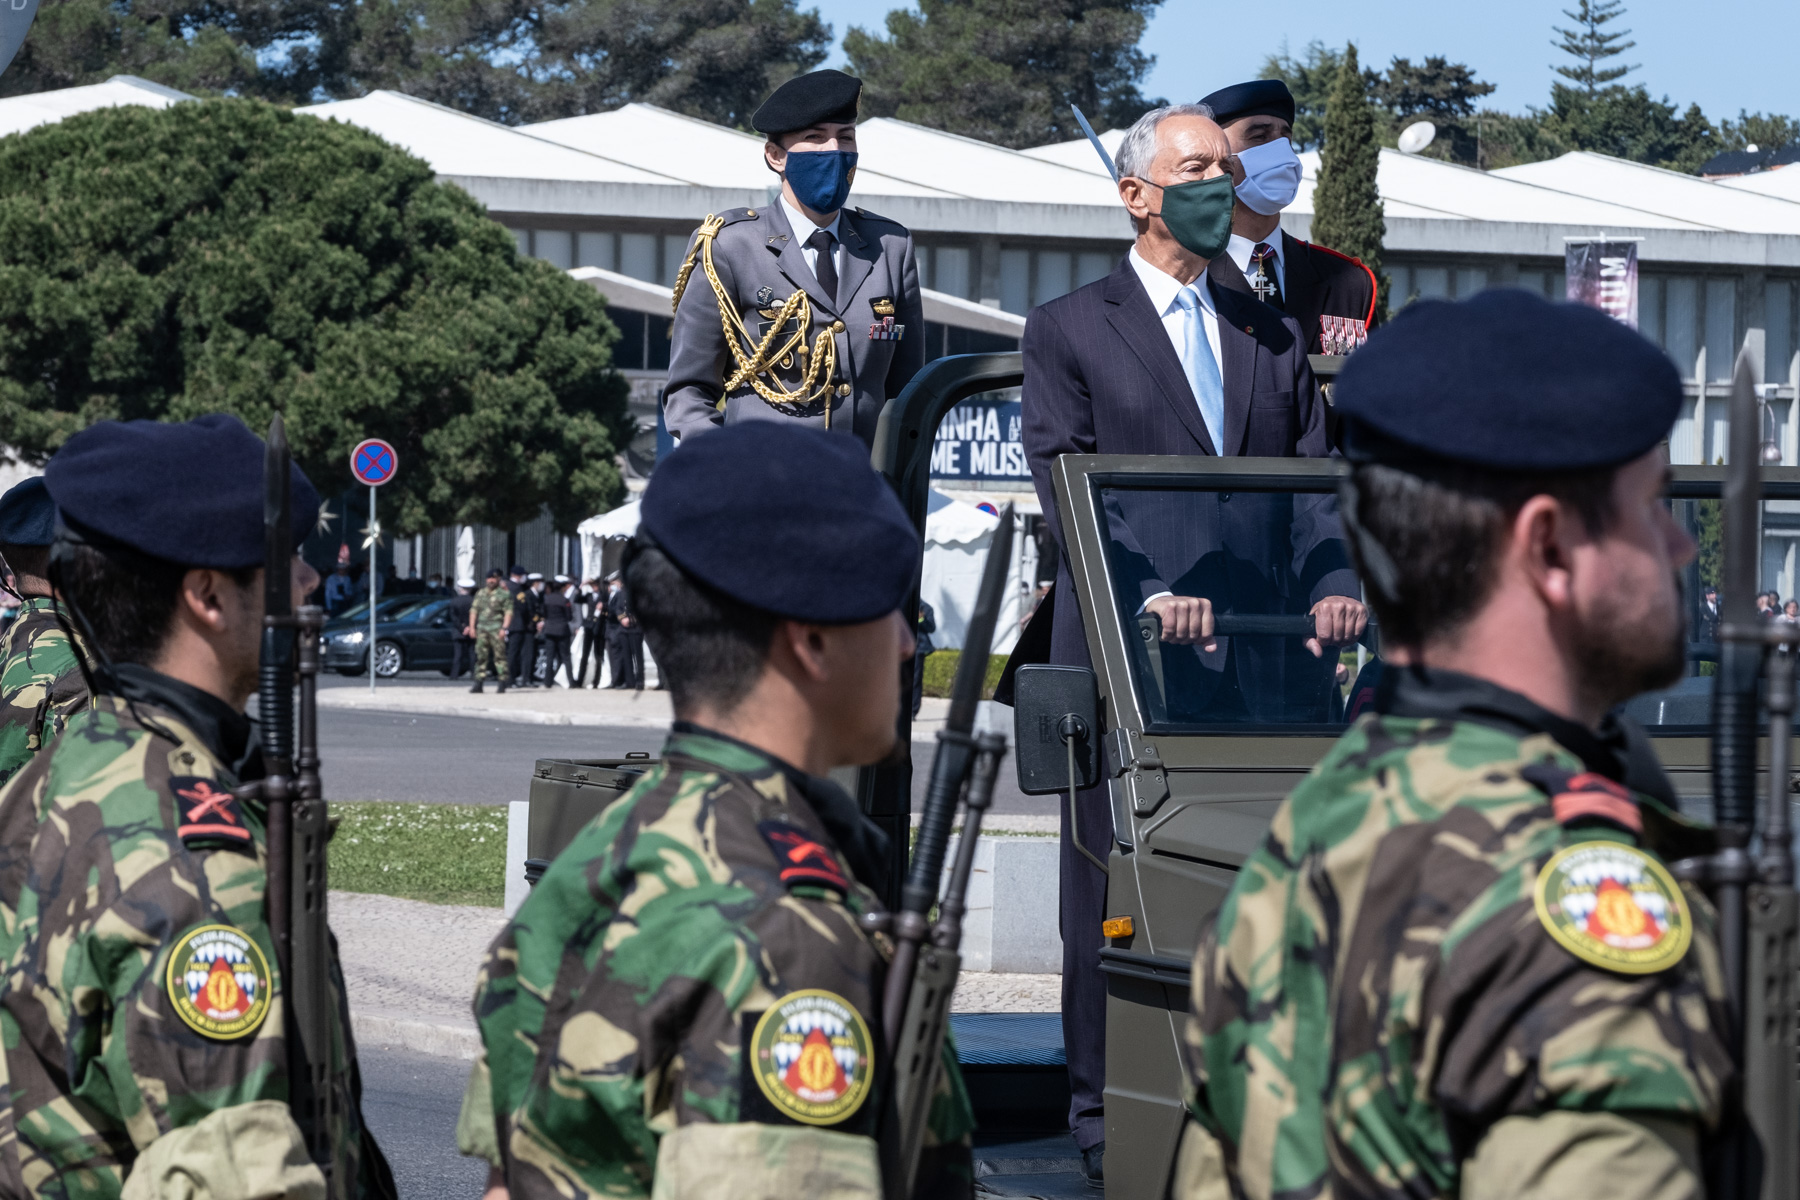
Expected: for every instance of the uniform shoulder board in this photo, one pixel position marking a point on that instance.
(1584, 797)
(804, 860)
(210, 817)
(738, 214)
(866, 215)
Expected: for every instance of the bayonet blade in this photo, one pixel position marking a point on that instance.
(1094, 138)
(978, 641)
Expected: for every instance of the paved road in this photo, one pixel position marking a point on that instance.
(411, 1101)
(397, 756)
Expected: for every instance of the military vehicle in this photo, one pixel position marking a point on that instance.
(1191, 794)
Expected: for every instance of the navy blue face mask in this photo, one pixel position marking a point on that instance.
(821, 178)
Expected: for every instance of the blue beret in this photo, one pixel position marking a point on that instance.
(806, 100)
(27, 515)
(190, 494)
(786, 519)
(1508, 381)
(1259, 97)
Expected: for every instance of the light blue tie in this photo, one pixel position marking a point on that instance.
(1202, 368)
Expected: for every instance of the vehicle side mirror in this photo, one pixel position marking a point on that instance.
(440, 619)
(1055, 707)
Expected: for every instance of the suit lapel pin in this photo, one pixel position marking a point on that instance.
(764, 296)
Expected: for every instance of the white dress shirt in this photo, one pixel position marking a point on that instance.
(803, 227)
(1241, 248)
(1164, 289)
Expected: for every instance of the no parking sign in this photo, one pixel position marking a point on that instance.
(373, 462)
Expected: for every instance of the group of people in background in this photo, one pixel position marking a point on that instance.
(521, 629)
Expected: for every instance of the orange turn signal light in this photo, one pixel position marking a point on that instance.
(1117, 927)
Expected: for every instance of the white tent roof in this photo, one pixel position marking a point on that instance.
(1783, 182)
(456, 143)
(953, 522)
(1644, 189)
(961, 166)
(1425, 187)
(698, 151)
(621, 522)
(1080, 153)
(19, 113)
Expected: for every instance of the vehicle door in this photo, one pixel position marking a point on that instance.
(1199, 746)
(428, 635)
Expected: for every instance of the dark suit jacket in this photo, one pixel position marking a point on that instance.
(1316, 281)
(1101, 377)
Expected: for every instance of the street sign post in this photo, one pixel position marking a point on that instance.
(373, 462)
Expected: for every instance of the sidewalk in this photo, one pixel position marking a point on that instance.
(541, 706)
(411, 969)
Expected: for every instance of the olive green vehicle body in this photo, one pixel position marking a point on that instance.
(1188, 807)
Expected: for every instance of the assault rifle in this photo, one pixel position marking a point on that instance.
(1752, 877)
(296, 814)
(922, 977)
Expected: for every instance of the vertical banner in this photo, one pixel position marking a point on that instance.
(1604, 275)
(15, 19)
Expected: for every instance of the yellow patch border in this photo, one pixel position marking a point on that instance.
(184, 1008)
(769, 1082)
(1660, 957)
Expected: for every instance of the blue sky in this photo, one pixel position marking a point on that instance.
(1725, 54)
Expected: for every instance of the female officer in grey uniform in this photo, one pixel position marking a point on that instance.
(821, 316)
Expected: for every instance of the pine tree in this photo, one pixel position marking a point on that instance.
(1347, 212)
(1590, 45)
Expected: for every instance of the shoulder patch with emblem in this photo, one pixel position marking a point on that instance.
(1614, 906)
(219, 982)
(804, 859)
(812, 1057)
(210, 815)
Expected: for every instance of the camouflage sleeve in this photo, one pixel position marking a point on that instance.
(137, 1001)
(41, 686)
(1589, 1154)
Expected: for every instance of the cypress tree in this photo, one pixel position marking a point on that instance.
(1347, 213)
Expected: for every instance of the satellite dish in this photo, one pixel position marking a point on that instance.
(1752, 148)
(1417, 136)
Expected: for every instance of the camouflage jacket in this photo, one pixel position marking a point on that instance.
(711, 909)
(489, 609)
(41, 685)
(142, 1013)
(1454, 920)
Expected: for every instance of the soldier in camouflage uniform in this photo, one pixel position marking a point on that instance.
(688, 1005)
(142, 1015)
(1459, 965)
(490, 619)
(41, 685)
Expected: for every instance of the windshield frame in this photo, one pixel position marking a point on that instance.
(1080, 480)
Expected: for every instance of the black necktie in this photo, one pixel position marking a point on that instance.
(825, 266)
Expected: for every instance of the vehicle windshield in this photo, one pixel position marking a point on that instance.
(1271, 562)
(387, 610)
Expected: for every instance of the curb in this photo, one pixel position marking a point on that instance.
(520, 716)
(421, 1037)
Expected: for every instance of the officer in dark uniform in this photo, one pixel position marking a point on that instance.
(521, 645)
(559, 627)
(822, 301)
(1331, 295)
(462, 646)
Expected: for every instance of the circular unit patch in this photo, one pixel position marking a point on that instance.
(219, 982)
(813, 1057)
(1614, 906)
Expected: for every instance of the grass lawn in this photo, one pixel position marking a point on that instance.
(940, 673)
(443, 853)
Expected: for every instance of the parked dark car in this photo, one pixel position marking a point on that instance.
(412, 633)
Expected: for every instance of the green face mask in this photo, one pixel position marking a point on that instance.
(1198, 213)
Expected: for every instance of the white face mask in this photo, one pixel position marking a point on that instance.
(1271, 176)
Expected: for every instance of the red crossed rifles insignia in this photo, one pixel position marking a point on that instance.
(803, 859)
(208, 814)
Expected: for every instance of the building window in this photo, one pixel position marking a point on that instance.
(1721, 331)
(638, 256)
(522, 238)
(1015, 281)
(596, 250)
(1683, 313)
(1055, 275)
(554, 246)
(643, 343)
(950, 270)
(1093, 266)
(1778, 316)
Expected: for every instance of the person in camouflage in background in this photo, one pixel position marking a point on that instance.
(142, 1018)
(688, 1005)
(490, 619)
(41, 684)
(1459, 964)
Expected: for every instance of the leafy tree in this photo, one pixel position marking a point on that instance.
(1006, 71)
(514, 61)
(1629, 123)
(1347, 210)
(1441, 92)
(1765, 131)
(1590, 44)
(282, 50)
(229, 255)
(1310, 78)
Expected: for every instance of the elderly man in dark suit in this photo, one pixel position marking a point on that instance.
(1154, 359)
